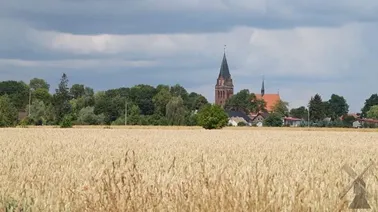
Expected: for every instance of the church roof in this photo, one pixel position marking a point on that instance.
(224, 71)
(270, 99)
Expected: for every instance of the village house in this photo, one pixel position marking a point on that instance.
(235, 117)
(292, 122)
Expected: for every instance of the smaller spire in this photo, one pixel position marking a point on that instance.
(224, 49)
(262, 87)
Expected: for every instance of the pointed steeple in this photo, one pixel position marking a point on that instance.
(224, 70)
(262, 88)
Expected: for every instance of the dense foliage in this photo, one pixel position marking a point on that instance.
(161, 105)
(212, 117)
(273, 120)
(79, 104)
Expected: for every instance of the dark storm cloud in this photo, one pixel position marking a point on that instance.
(139, 17)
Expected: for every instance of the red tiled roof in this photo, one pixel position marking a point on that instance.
(270, 99)
(368, 120)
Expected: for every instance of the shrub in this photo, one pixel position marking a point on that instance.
(273, 120)
(242, 124)
(25, 122)
(66, 122)
(212, 117)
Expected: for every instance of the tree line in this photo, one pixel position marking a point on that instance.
(138, 105)
(148, 105)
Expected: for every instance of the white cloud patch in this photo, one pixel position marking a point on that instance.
(299, 51)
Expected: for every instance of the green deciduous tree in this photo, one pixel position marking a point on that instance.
(246, 102)
(176, 111)
(178, 90)
(281, 108)
(142, 96)
(37, 83)
(41, 94)
(161, 100)
(273, 120)
(87, 116)
(77, 91)
(37, 112)
(337, 106)
(212, 117)
(371, 101)
(300, 112)
(373, 112)
(18, 93)
(8, 113)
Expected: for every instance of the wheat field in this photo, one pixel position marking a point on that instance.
(94, 169)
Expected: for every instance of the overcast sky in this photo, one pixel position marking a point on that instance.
(302, 47)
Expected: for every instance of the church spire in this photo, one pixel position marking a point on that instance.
(224, 70)
(262, 88)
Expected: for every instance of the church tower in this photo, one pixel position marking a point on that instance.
(224, 87)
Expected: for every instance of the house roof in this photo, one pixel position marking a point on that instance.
(292, 119)
(368, 120)
(270, 99)
(254, 116)
(231, 113)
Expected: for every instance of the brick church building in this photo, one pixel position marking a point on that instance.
(224, 88)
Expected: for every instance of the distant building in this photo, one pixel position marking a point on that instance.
(369, 122)
(224, 87)
(258, 118)
(356, 124)
(270, 99)
(292, 122)
(237, 116)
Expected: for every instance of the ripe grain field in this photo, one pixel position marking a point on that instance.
(94, 169)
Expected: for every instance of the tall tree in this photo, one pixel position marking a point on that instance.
(8, 113)
(61, 99)
(281, 108)
(246, 102)
(161, 100)
(371, 101)
(178, 90)
(18, 93)
(142, 96)
(77, 91)
(41, 94)
(373, 112)
(338, 106)
(317, 110)
(38, 112)
(37, 83)
(176, 111)
(300, 112)
(195, 101)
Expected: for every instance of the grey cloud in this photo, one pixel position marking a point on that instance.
(139, 17)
